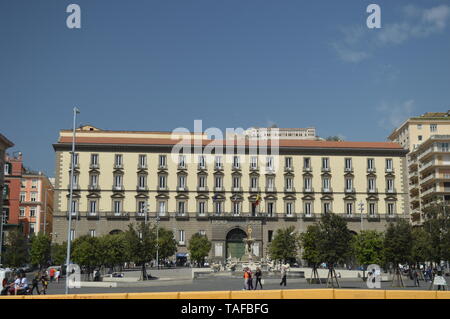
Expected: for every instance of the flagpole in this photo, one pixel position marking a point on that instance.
(71, 208)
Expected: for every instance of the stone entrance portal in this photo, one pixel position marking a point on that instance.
(235, 243)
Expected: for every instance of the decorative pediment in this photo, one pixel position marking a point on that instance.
(76, 194)
(202, 196)
(372, 198)
(326, 197)
(202, 173)
(254, 174)
(142, 195)
(117, 195)
(270, 197)
(218, 173)
(142, 172)
(93, 195)
(308, 197)
(307, 174)
(183, 173)
(236, 197)
(118, 171)
(349, 174)
(182, 196)
(390, 198)
(289, 174)
(236, 174)
(162, 196)
(289, 197)
(218, 197)
(350, 197)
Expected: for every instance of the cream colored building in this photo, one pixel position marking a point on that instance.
(427, 137)
(118, 173)
(416, 130)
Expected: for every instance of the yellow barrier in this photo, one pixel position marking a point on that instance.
(259, 294)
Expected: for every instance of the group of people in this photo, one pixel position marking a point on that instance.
(20, 286)
(17, 287)
(248, 278)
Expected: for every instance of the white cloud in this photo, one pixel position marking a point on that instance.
(394, 114)
(357, 44)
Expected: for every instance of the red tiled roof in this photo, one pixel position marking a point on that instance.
(281, 143)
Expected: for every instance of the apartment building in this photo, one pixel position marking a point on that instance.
(118, 174)
(36, 203)
(427, 138)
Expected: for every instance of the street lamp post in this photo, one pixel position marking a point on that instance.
(69, 227)
(361, 208)
(157, 239)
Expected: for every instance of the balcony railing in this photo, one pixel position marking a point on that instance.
(94, 166)
(218, 167)
(348, 169)
(162, 188)
(289, 169)
(141, 188)
(118, 215)
(390, 170)
(254, 168)
(237, 190)
(350, 190)
(162, 166)
(327, 190)
(309, 216)
(371, 170)
(308, 190)
(181, 215)
(142, 166)
(307, 169)
(182, 189)
(75, 186)
(289, 189)
(326, 169)
(118, 166)
(201, 167)
(391, 191)
(93, 187)
(92, 215)
(202, 188)
(271, 189)
(118, 188)
(236, 167)
(372, 190)
(219, 189)
(254, 189)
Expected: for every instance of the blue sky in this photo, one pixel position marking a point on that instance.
(158, 65)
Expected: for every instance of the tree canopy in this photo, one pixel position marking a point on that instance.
(199, 247)
(40, 249)
(368, 247)
(285, 245)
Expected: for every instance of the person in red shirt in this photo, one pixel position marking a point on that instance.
(52, 274)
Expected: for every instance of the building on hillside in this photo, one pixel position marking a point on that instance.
(116, 174)
(427, 137)
(267, 133)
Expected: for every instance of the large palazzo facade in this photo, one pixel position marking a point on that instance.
(124, 177)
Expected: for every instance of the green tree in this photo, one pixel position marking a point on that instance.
(166, 243)
(16, 249)
(285, 245)
(398, 246)
(86, 253)
(311, 254)
(334, 243)
(368, 248)
(199, 247)
(421, 245)
(59, 253)
(112, 250)
(40, 249)
(141, 245)
(437, 225)
(334, 138)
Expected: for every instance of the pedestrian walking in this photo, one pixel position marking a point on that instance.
(44, 283)
(35, 283)
(258, 276)
(250, 279)
(57, 274)
(52, 274)
(283, 276)
(416, 278)
(245, 278)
